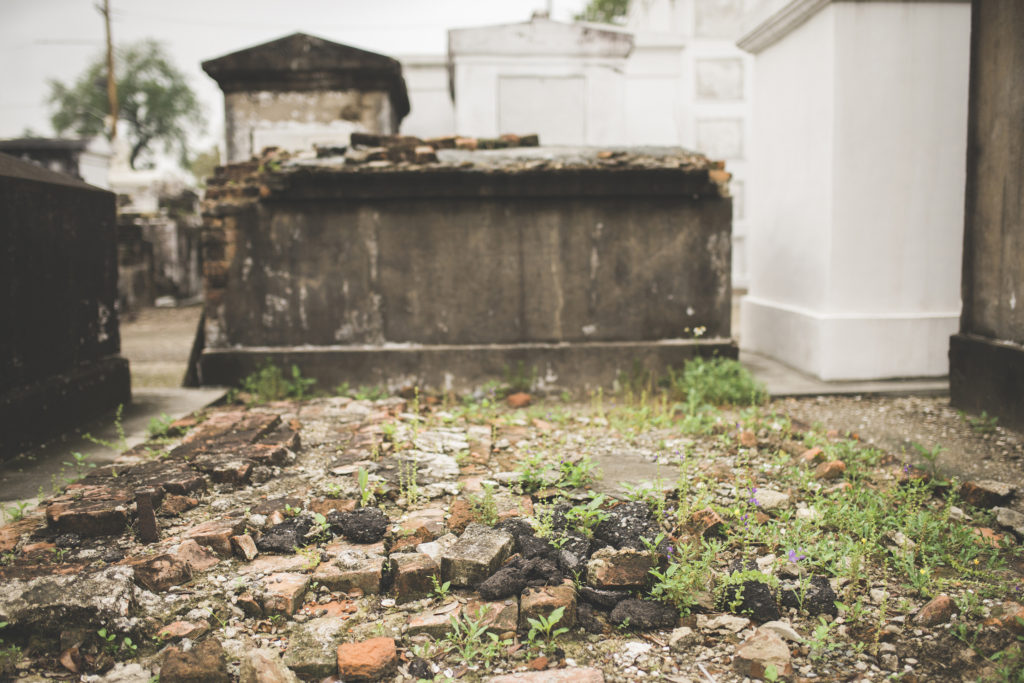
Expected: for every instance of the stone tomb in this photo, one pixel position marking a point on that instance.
(573, 263)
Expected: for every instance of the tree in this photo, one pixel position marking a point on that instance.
(604, 11)
(155, 104)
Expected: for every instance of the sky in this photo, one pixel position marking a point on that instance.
(46, 39)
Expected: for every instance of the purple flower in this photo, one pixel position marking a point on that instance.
(752, 499)
(794, 558)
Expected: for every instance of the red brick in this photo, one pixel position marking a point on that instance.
(413, 575)
(705, 523)
(520, 399)
(89, 510)
(283, 593)
(369, 660)
(197, 557)
(216, 534)
(183, 629)
(544, 600)
(461, 514)
(938, 611)
(161, 572)
(830, 470)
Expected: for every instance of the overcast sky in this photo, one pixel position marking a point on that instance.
(43, 39)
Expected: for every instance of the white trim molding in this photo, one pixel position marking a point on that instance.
(790, 17)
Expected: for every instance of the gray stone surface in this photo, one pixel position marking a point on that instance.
(477, 554)
(50, 603)
(1010, 519)
(264, 665)
(313, 647)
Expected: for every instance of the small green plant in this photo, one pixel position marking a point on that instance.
(291, 511)
(929, 455)
(15, 512)
(369, 393)
(484, 507)
(332, 489)
(108, 640)
(982, 424)
(718, 381)
(685, 578)
(366, 491)
(585, 517)
(407, 482)
(80, 463)
(159, 426)
(122, 441)
(470, 639)
(10, 655)
(520, 378)
(532, 472)
(576, 473)
(820, 642)
(312, 555)
(543, 631)
(441, 590)
(269, 383)
(323, 529)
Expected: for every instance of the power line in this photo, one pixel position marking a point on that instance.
(118, 14)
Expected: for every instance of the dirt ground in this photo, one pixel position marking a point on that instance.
(157, 343)
(894, 424)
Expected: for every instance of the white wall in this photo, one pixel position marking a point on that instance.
(432, 113)
(710, 94)
(859, 144)
(564, 82)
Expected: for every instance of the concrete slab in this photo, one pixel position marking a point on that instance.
(783, 381)
(40, 469)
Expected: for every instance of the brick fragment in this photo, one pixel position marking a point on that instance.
(369, 660)
(283, 593)
(938, 611)
(830, 470)
(544, 600)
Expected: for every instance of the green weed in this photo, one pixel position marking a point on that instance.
(269, 383)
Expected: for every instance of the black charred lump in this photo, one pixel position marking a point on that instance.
(365, 525)
(506, 582)
(627, 526)
(419, 669)
(644, 615)
(604, 599)
(285, 537)
(818, 598)
(752, 598)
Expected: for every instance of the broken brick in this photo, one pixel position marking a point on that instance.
(369, 660)
(216, 534)
(283, 593)
(89, 511)
(414, 575)
(161, 572)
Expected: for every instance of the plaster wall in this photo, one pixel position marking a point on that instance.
(595, 117)
(706, 104)
(901, 86)
(297, 120)
(432, 110)
(858, 190)
(791, 195)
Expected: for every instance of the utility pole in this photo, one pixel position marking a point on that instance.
(111, 81)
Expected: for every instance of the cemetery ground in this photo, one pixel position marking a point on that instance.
(688, 531)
